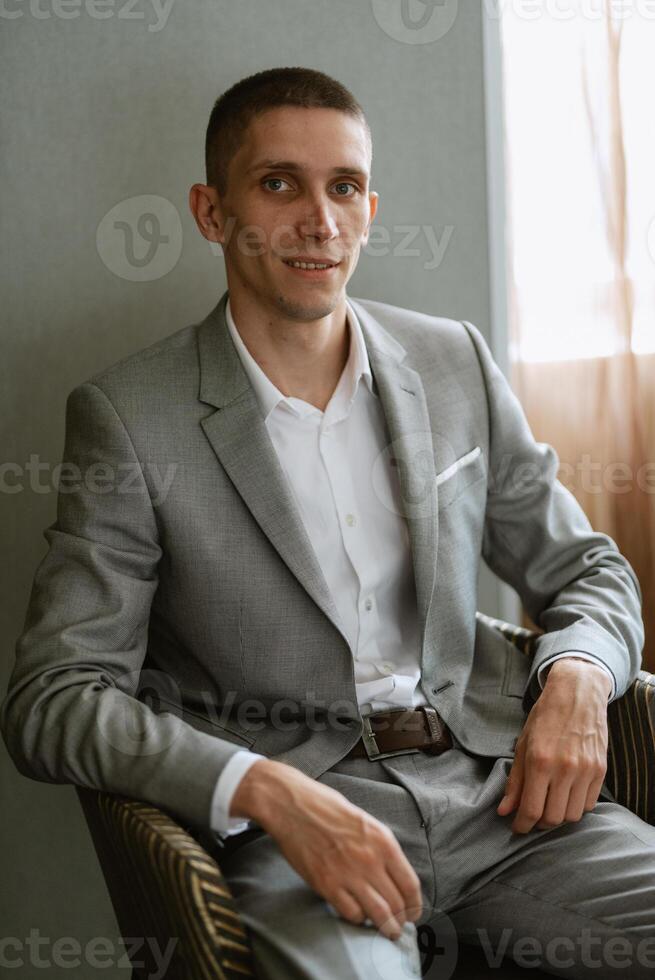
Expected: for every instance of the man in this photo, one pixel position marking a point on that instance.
(301, 597)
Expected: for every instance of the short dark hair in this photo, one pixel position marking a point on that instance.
(234, 110)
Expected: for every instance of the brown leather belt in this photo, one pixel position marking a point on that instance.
(398, 730)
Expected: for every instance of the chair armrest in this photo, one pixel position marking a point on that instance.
(165, 887)
(630, 774)
(522, 638)
(631, 748)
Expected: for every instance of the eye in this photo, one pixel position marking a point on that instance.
(270, 180)
(280, 180)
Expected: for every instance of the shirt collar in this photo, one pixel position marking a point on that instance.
(269, 396)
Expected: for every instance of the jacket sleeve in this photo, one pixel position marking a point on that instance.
(70, 714)
(572, 580)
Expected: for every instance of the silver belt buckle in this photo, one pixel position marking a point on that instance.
(369, 739)
(372, 747)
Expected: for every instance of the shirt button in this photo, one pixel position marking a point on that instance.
(350, 520)
(368, 604)
(387, 668)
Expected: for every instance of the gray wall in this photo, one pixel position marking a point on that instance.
(99, 112)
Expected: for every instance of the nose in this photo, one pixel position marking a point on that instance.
(318, 222)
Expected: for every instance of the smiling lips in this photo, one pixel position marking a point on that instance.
(311, 265)
(311, 269)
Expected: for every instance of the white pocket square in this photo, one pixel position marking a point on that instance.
(457, 465)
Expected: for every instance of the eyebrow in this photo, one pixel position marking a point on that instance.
(290, 165)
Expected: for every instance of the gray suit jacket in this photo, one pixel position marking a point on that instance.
(180, 613)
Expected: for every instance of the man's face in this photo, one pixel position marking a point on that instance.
(297, 189)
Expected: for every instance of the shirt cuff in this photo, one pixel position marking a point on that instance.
(226, 785)
(543, 670)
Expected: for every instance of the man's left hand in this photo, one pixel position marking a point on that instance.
(560, 758)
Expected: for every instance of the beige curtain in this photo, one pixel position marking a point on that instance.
(599, 411)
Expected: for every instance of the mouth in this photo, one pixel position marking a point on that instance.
(311, 270)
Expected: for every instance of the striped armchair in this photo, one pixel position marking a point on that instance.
(630, 774)
(164, 885)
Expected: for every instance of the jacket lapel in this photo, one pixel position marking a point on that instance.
(238, 436)
(401, 392)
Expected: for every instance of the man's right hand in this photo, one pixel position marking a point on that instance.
(348, 856)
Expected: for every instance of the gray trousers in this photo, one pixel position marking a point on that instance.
(577, 900)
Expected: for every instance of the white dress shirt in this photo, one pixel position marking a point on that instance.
(361, 543)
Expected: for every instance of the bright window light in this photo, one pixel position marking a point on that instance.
(561, 262)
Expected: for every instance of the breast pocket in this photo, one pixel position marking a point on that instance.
(458, 476)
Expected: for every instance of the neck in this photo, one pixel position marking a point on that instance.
(303, 358)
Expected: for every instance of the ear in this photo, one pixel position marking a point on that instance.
(205, 207)
(373, 199)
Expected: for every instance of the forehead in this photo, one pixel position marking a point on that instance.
(313, 138)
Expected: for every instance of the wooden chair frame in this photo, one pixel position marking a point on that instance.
(167, 889)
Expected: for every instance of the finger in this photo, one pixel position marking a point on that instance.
(595, 787)
(385, 885)
(348, 907)
(557, 802)
(513, 788)
(533, 799)
(376, 908)
(577, 800)
(407, 881)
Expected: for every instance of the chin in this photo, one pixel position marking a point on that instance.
(297, 309)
